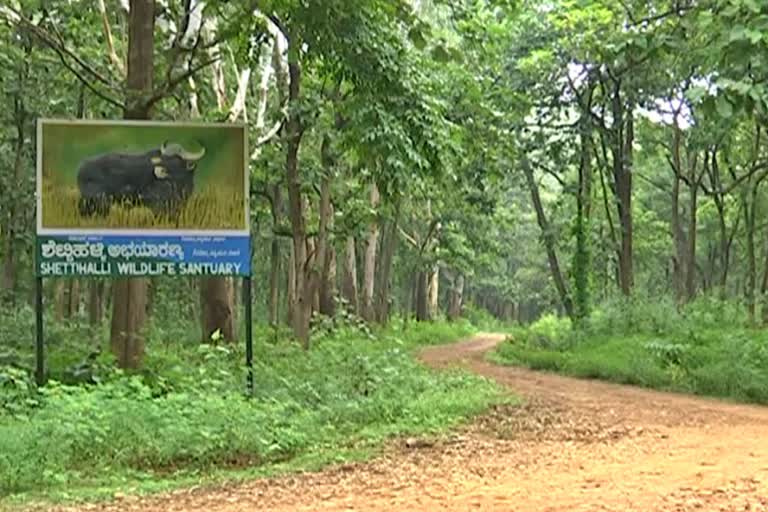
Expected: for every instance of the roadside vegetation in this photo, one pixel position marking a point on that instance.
(186, 417)
(704, 348)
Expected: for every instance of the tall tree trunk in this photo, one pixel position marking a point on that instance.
(383, 283)
(302, 305)
(349, 276)
(217, 297)
(421, 298)
(306, 275)
(130, 294)
(9, 272)
(622, 174)
(95, 302)
(328, 290)
(281, 78)
(433, 282)
(60, 304)
(456, 297)
(73, 299)
(312, 257)
(764, 287)
(751, 263)
(749, 200)
(690, 260)
(217, 304)
(274, 262)
(679, 270)
(290, 296)
(750, 204)
(410, 297)
(369, 264)
(549, 239)
(321, 267)
(508, 311)
(613, 239)
(582, 257)
(724, 253)
(327, 286)
(8, 275)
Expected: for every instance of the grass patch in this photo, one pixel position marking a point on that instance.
(704, 349)
(209, 207)
(184, 419)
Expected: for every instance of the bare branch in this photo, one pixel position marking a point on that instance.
(551, 172)
(63, 48)
(111, 53)
(271, 133)
(238, 106)
(678, 11)
(648, 180)
(411, 240)
(434, 225)
(87, 83)
(171, 84)
(191, 24)
(56, 43)
(279, 24)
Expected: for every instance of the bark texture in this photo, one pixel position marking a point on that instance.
(96, 301)
(369, 264)
(549, 240)
(384, 274)
(217, 298)
(456, 301)
(349, 276)
(129, 301)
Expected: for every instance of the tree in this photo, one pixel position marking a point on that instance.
(129, 295)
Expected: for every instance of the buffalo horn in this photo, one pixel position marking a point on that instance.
(178, 150)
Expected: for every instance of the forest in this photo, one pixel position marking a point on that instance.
(586, 178)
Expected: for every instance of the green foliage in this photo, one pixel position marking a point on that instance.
(581, 269)
(185, 413)
(704, 349)
(17, 390)
(660, 315)
(484, 320)
(549, 331)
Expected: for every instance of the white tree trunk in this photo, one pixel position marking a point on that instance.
(369, 268)
(238, 106)
(210, 32)
(433, 280)
(116, 61)
(194, 24)
(279, 56)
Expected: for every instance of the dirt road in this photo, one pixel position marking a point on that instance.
(574, 446)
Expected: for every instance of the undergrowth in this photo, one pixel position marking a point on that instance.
(94, 429)
(705, 348)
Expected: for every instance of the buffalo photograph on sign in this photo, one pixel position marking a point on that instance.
(139, 198)
(114, 176)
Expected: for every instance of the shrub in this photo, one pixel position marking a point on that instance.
(703, 348)
(185, 412)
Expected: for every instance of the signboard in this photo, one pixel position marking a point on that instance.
(142, 198)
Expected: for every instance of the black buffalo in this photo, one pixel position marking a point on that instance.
(160, 179)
